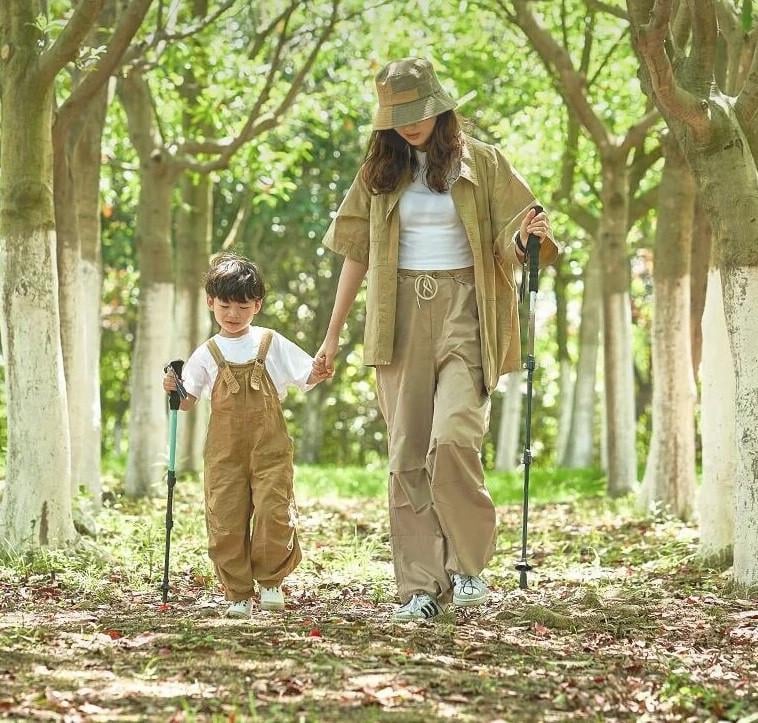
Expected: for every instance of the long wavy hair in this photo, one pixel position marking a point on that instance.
(389, 158)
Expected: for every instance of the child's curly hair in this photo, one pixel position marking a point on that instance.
(234, 278)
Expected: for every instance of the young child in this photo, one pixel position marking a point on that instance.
(245, 370)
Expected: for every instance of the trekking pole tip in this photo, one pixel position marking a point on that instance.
(522, 580)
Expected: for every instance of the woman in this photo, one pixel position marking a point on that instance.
(431, 217)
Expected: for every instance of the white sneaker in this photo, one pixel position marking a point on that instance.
(468, 590)
(420, 607)
(272, 598)
(239, 609)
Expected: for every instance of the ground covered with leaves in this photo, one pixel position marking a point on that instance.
(621, 622)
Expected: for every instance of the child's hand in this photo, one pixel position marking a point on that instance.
(320, 368)
(318, 375)
(169, 383)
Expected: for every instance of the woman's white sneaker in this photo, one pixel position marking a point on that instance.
(468, 590)
(240, 609)
(420, 607)
(272, 598)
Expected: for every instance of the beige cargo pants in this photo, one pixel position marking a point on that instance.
(432, 396)
(250, 508)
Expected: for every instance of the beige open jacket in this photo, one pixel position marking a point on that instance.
(491, 200)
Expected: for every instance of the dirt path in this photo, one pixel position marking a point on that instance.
(620, 624)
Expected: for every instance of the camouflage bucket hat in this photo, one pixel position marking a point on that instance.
(408, 92)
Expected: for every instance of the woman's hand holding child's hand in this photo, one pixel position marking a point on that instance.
(320, 371)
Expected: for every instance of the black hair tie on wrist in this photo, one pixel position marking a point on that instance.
(517, 239)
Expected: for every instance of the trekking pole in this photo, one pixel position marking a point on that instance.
(532, 260)
(174, 402)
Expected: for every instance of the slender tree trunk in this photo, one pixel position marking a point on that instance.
(670, 473)
(565, 367)
(509, 437)
(617, 335)
(36, 502)
(146, 459)
(699, 263)
(717, 413)
(87, 160)
(580, 443)
(313, 428)
(70, 293)
(192, 324)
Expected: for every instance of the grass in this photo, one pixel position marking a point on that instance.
(621, 621)
(545, 486)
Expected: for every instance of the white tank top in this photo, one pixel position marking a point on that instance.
(431, 233)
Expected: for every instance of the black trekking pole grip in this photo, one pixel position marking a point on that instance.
(175, 397)
(533, 254)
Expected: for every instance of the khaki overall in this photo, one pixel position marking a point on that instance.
(433, 398)
(248, 479)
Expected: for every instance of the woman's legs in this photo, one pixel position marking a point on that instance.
(432, 396)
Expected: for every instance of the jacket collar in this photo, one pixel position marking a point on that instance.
(468, 167)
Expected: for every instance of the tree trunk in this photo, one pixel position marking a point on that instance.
(700, 255)
(717, 413)
(36, 502)
(670, 472)
(146, 458)
(617, 335)
(729, 188)
(313, 428)
(70, 297)
(565, 367)
(718, 135)
(87, 164)
(741, 310)
(192, 324)
(509, 438)
(580, 442)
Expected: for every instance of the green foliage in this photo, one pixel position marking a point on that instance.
(119, 324)
(746, 15)
(288, 181)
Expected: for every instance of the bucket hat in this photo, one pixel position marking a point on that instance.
(408, 91)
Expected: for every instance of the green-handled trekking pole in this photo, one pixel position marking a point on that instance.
(174, 402)
(532, 267)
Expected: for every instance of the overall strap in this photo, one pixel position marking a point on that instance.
(260, 359)
(223, 367)
(218, 357)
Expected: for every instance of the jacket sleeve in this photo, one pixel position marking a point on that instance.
(348, 233)
(510, 200)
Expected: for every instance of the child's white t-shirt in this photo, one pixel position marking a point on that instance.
(286, 362)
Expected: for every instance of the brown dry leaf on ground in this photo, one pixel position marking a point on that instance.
(620, 624)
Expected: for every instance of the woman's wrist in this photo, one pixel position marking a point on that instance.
(332, 336)
(519, 245)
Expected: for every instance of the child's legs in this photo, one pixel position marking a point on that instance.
(228, 508)
(275, 550)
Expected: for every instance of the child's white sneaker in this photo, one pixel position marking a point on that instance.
(240, 609)
(468, 590)
(272, 598)
(420, 607)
